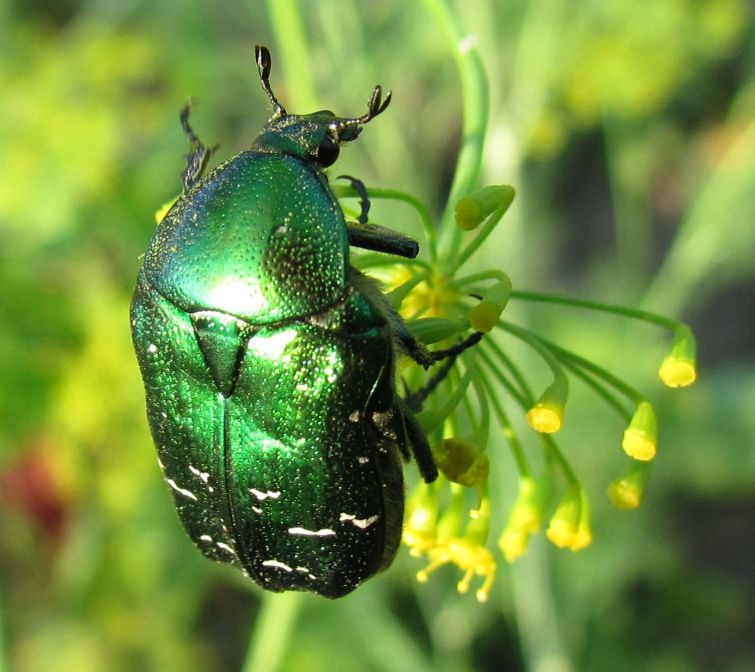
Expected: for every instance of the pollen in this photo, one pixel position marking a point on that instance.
(472, 558)
(639, 445)
(676, 372)
(624, 494)
(545, 419)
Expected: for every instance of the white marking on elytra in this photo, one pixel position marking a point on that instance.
(277, 565)
(206, 537)
(204, 476)
(361, 523)
(325, 532)
(225, 547)
(181, 491)
(152, 347)
(257, 509)
(268, 494)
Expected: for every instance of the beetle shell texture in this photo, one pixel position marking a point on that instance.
(269, 366)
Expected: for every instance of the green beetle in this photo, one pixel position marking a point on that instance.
(269, 362)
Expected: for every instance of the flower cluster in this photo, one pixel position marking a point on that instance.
(448, 521)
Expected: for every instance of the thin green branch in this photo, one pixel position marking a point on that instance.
(273, 630)
(522, 463)
(552, 449)
(474, 92)
(634, 313)
(538, 345)
(599, 389)
(292, 47)
(480, 238)
(568, 356)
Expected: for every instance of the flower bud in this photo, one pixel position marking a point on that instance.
(461, 462)
(564, 525)
(547, 415)
(679, 369)
(485, 315)
(472, 210)
(626, 492)
(641, 436)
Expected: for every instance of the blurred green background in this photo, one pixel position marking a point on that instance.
(628, 130)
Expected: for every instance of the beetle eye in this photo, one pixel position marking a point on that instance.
(327, 152)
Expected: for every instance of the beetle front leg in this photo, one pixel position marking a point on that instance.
(371, 236)
(199, 155)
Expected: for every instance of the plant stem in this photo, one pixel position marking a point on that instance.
(474, 90)
(292, 45)
(272, 631)
(659, 320)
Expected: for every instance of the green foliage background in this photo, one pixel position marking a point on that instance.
(628, 130)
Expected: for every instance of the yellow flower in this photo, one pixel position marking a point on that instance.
(547, 415)
(421, 520)
(584, 530)
(472, 558)
(679, 368)
(675, 372)
(472, 210)
(641, 436)
(484, 316)
(564, 524)
(626, 492)
(526, 517)
(461, 462)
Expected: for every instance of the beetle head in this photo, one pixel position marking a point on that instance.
(314, 137)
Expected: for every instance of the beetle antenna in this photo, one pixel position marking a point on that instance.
(375, 106)
(264, 65)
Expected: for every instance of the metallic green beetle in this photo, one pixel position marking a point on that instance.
(269, 362)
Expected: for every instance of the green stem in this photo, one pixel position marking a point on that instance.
(3, 664)
(520, 398)
(528, 399)
(292, 46)
(482, 431)
(273, 631)
(522, 464)
(653, 318)
(474, 90)
(538, 345)
(480, 238)
(376, 259)
(555, 452)
(599, 389)
(552, 449)
(477, 277)
(568, 356)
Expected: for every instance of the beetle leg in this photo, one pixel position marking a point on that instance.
(372, 237)
(420, 447)
(455, 350)
(199, 155)
(364, 198)
(448, 356)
